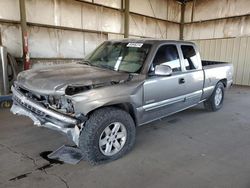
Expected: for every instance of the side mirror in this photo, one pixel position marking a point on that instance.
(163, 70)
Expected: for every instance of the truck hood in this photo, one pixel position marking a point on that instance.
(54, 79)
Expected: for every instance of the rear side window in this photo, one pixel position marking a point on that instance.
(190, 57)
(167, 55)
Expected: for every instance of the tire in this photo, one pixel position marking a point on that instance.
(96, 130)
(215, 101)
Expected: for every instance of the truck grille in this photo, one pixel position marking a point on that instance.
(31, 108)
(34, 106)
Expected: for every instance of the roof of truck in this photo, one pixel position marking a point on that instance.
(151, 40)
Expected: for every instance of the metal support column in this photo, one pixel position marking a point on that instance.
(126, 19)
(183, 6)
(1, 38)
(26, 58)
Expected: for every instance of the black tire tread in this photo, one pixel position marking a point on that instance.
(87, 140)
(209, 103)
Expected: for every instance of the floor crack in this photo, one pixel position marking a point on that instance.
(60, 178)
(35, 164)
(24, 155)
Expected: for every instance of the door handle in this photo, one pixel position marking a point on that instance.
(181, 81)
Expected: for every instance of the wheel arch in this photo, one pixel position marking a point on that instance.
(127, 107)
(224, 82)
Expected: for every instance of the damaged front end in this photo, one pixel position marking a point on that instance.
(54, 112)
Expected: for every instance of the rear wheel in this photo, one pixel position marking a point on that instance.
(215, 101)
(108, 135)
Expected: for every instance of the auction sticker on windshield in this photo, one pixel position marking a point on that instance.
(135, 45)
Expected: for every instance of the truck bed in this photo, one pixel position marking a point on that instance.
(207, 63)
(215, 71)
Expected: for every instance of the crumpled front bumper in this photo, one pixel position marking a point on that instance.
(42, 116)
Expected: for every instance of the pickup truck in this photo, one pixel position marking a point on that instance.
(99, 101)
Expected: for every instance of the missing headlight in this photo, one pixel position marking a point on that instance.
(72, 90)
(61, 103)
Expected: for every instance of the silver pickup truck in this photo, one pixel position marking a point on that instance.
(122, 84)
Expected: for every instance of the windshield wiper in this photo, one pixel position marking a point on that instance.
(85, 62)
(106, 67)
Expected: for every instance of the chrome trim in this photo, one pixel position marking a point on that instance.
(33, 104)
(167, 115)
(163, 103)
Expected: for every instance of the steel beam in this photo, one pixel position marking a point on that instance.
(126, 19)
(219, 19)
(183, 6)
(23, 22)
(1, 38)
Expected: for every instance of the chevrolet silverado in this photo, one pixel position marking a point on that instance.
(122, 84)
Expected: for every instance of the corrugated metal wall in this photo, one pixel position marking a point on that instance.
(73, 28)
(222, 31)
(232, 50)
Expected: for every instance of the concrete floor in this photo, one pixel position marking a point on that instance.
(194, 148)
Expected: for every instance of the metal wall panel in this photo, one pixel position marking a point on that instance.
(173, 31)
(70, 13)
(56, 43)
(115, 36)
(174, 11)
(43, 42)
(149, 8)
(233, 27)
(149, 27)
(233, 50)
(43, 12)
(163, 9)
(9, 10)
(92, 40)
(11, 38)
(73, 14)
(110, 20)
(90, 15)
(213, 9)
(110, 3)
(188, 14)
(71, 45)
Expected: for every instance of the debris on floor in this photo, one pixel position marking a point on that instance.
(67, 154)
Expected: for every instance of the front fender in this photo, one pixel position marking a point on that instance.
(113, 95)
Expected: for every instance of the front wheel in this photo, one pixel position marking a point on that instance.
(108, 135)
(215, 101)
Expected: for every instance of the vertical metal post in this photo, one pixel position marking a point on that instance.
(4, 86)
(126, 19)
(26, 58)
(183, 6)
(0, 38)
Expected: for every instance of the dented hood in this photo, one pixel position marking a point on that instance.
(54, 79)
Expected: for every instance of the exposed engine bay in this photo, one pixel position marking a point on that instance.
(56, 109)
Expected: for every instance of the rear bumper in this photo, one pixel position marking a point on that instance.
(229, 83)
(42, 116)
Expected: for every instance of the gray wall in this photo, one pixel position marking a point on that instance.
(61, 29)
(71, 28)
(222, 31)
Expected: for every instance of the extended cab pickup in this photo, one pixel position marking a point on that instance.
(99, 101)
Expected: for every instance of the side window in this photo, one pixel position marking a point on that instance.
(167, 55)
(190, 57)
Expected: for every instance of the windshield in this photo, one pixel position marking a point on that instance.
(119, 56)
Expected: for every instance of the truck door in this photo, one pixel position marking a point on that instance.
(164, 95)
(192, 74)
